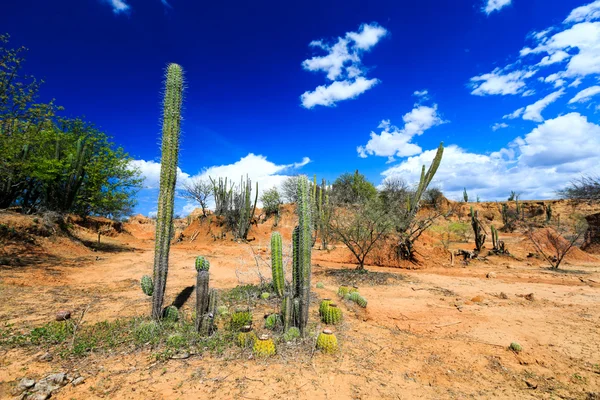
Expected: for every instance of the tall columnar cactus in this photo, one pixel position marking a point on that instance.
(494, 238)
(277, 264)
(287, 312)
(426, 178)
(304, 250)
(168, 177)
(477, 230)
(548, 213)
(296, 278)
(245, 208)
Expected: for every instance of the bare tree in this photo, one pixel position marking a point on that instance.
(200, 191)
(360, 227)
(584, 188)
(555, 241)
(289, 189)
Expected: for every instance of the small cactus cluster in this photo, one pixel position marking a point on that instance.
(147, 285)
(206, 299)
(273, 321)
(358, 299)
(264, 346)
(327, 342)
(246, 337)
(239, 319)
(332, 315)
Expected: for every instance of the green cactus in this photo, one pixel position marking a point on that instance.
(548, 213)
(291, 334)
(264, 346)
(304, 250)
(478, 230)
(147, 285)
(168, 177)
(273, 322)
(287, 312)
(327, 342)
(171, 314)
(265, 295)
(202, 264)
(343, 290)
(246, 337)
(323, 306)
(277, 264)
(296, 278)
(358, 299)
(333, 315)
(239, 319)
(516, 347)
(353, 289)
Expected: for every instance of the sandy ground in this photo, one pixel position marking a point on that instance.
(439, 332)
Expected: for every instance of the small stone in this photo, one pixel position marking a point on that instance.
(529, 297)
(490, 275)
(78, 381)
(181, 356)
(59, 378)
(503, 296)
(531, 384)
(25, 384)
(39, 396)
(45, 357)
(63, 315)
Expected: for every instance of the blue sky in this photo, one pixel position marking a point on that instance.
(273, 89)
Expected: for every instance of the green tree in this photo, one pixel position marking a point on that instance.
(271, 201)
(352, 189)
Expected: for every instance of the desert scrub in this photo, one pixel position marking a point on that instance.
(222, 310)
(147, 332)
(177, 341)
(264, 346)
(327, 342)
(291, 334)
(52, 333)
(239, 319)
(320, 285)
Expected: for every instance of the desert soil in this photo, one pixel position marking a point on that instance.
(436, 331)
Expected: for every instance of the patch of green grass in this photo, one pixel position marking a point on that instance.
(244, 293)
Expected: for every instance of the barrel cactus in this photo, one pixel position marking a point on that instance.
(353, 289)
(171, 314)
(333, 315)
(343, 290)
(327, 342)
(273, 321)
(516, 347)
(358, 299)
(264, 346)
(222, 310)
(202, 264)
(240, 318)
(323, 307)
(147, 285)
(265, 295)
(246, 337)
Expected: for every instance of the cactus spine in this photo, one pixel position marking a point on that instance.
(168, 177)
(277, 264)
(304, 250)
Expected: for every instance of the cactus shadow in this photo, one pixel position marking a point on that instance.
(183, 296)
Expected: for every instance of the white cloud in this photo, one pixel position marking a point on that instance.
(257, 167)
(118, 6)
(533, 112)
(500, 82)
(342, 65)
(585, 95)
(589, 12)
(499, 125)
(394, 141)
(516, 114)
(337, 91)
(495, 5)
(421, 93)
(536, 165)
